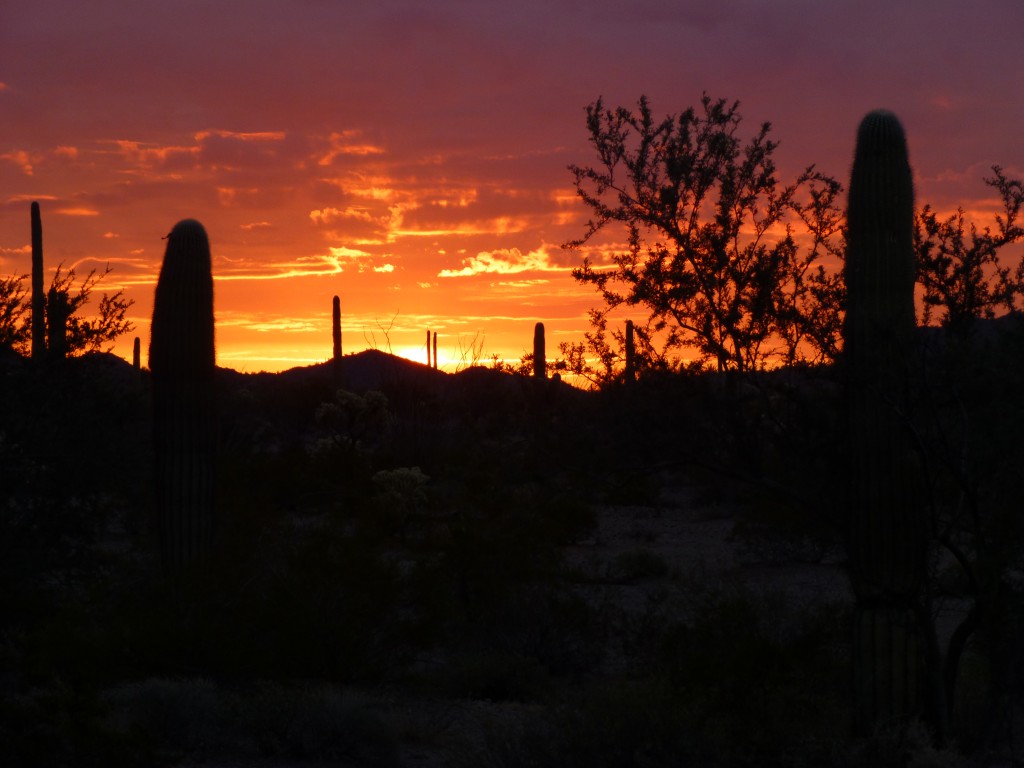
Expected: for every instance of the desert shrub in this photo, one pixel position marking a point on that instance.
(64, 501)
(773, 527)
(328, 724)
(639, 564)
(749, 678)
(186, 716)
(763, 681)
(492, 676)
(635, 723)
(911, 747)
(297, 595)
(55, 725)
(194, 718)
(399, 496)
(490, 552)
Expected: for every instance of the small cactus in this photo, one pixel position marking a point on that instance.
(182, 364)
(887, 530)
(137, 354)
(336, 326)
(336, 374)
(630, 353)
(38, 296)
(539, 360)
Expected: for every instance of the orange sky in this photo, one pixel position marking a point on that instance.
(411, 158)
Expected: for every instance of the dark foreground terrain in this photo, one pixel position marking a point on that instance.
(480, 569)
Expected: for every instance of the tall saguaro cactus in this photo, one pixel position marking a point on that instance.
(539, 359)
(38, 296)
(887, 532)
(182, 361)
(435, 350)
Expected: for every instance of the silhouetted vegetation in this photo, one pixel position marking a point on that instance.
(51, 323)
(495, 568)
(714, 259)
(959, 264)
(444, 538)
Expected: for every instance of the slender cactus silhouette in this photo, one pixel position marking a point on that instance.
(336, 326)
(630, 353)
(38, 297)
(887, 533)
(539, 360)
(182, 362)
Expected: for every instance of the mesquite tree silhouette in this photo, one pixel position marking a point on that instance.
(725, 259)
(27, 320)
(959, 264)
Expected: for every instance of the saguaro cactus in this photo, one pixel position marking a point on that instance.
(435, 350)
(137, 355)
(181, 361)
(336, 326)
(539, 361)
(887, 532)
(630, 352)
(38, 296)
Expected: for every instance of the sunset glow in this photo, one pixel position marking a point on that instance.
(413, 159)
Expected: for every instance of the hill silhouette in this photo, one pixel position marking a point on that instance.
(473, 542)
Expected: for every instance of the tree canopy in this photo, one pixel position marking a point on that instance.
(733, 269)
(959, 264)
(82, 333)
(725, 260)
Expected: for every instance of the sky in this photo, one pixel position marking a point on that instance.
(412, 157)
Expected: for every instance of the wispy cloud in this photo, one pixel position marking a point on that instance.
(20, 158)
(347, 143)
(303, 266)
(328, 215)
(503, 225)
(246, 136)
(143, 155)
(77, 211)
(504, 262)
(30, 198)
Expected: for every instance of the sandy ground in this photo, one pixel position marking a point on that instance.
(696, 539)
